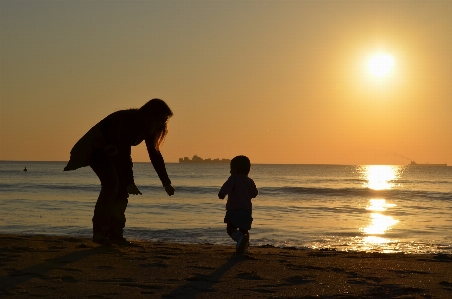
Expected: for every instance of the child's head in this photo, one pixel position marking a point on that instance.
(240, 165)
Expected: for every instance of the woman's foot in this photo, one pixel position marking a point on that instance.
(122, 242)
(101, 239)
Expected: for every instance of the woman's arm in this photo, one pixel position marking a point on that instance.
(158, 163)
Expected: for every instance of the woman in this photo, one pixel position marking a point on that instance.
(106, 148)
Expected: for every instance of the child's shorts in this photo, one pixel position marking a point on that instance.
(239, 218)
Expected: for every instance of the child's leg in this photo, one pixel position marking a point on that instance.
(246, 233)
(242, 242)
(234, 233)
(241, 236)
(231, 229)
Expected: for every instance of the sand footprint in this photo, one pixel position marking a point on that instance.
(298, 280)
(154, 265)
(249, 275)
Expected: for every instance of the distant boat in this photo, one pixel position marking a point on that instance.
(197, 159)
(426, 164)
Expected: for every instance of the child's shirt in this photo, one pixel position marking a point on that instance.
(240, 190)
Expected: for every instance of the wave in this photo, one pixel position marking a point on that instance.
(285, 191)
(27, 187)
(354, 192)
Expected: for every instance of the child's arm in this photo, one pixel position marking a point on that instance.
(225, 189)
(255, 191)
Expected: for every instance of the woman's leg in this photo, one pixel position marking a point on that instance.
(106, 171)
(118, 217)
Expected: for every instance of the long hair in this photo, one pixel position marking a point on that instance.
(155, 111)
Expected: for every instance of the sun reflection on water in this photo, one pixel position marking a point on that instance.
(379, 224)
(379, 177)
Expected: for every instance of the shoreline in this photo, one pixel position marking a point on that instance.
(74, 267)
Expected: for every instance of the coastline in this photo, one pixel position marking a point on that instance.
(74, 267)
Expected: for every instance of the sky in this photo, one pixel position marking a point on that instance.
(279, 81)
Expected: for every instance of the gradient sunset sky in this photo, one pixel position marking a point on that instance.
(278, 81)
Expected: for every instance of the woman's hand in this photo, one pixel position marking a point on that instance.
(132, 189)
(169, 189)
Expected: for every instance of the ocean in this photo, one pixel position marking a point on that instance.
(371, 208)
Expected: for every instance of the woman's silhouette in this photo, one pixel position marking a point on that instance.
(106, 148)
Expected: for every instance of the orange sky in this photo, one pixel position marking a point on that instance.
(278, 81)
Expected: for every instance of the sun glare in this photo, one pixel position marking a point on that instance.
(380, 177)
(380, 64)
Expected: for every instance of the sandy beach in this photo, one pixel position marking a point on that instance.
(73, 267)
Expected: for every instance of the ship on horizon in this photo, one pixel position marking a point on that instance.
(413, 163)
(197, 159)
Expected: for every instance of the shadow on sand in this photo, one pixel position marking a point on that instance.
(201, 283)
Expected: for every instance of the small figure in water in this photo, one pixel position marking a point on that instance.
(25, 169)
(240, 190)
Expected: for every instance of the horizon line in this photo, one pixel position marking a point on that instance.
(333, 164)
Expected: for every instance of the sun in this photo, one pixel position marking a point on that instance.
(380, 64)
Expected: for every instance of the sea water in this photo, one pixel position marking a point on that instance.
(373, 208)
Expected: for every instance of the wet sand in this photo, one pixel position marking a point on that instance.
(72, 267)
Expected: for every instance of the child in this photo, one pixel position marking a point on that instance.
(240, 189)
